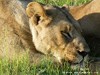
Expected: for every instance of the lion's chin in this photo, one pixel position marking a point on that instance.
(82, 65)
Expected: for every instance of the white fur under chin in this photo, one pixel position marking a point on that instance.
(58, 57)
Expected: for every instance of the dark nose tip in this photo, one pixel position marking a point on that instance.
(83, 53)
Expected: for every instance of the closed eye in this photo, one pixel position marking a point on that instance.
(66, 35)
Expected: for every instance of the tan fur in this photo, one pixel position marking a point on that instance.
(15, 36)
(46, 24)
(54, 34)
(88, 16)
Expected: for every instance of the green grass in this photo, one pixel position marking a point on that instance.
(62, 2)
(22, 66)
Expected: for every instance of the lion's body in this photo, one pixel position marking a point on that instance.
(14, 30)
(88, 15)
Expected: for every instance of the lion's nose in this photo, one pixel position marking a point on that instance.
(83, 53)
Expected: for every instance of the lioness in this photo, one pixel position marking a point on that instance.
(53, 31)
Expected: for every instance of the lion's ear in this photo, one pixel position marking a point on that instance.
(36, 10)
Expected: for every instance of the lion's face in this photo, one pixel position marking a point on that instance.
(54, 34)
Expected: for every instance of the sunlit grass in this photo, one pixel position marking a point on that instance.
(62, 2)
(22, 66)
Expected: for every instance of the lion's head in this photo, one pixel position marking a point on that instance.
(55, 32)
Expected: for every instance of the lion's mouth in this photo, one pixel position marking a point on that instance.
(77, 62)
(84, 58)
(81, 64)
